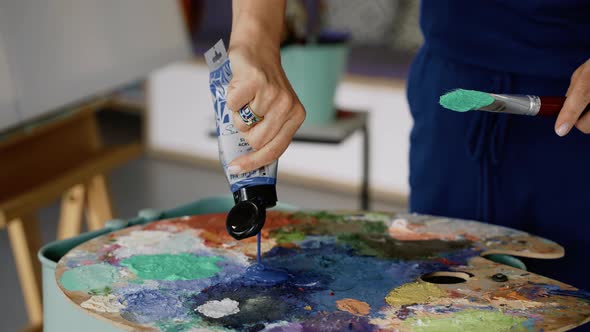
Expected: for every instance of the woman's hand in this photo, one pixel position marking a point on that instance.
(578, 97)
(259, 80)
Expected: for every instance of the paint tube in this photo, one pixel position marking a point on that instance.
(253, 191)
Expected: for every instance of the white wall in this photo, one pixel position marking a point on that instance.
(181, 116)
(8, 114)
(64, 51)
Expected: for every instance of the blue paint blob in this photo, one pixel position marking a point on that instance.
(309, 281)
(556, 290)
(265, 275)
(258, 256)
(262, 274)
(329, 272)
(259, 304)
(148, 306)
(302, 284)
(338, 321)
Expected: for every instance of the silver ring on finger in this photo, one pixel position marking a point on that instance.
(248, 116)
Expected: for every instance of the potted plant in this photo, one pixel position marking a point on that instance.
(313, 58)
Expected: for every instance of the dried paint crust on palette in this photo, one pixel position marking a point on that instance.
(347, 271)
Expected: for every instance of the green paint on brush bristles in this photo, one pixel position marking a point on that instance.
(465, 100)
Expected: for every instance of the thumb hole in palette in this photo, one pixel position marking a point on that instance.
(446, 277)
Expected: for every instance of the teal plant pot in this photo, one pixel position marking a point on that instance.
(314, 72)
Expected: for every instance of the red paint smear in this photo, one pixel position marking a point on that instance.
(455, 294)
(213, 226)
(447, 262)
(470, 237)
(108, 249)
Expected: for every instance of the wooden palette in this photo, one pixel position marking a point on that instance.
(347, 271)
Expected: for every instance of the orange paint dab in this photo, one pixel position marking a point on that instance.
(354, 307)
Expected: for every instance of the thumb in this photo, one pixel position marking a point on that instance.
(577, 99)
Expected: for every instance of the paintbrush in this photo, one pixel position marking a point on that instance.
(460, 100)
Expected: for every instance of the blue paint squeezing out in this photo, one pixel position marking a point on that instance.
(262, 274)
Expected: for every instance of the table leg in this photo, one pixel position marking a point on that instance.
(33, 328)
(25, 239)
(99, 209)
(72, 206)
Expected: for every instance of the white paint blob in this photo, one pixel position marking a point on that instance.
(102, 303)
(218, 309)
(142, 238)
(158, 242)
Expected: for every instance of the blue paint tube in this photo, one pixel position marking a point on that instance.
(253, 191)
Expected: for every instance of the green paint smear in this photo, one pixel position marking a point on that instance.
(286, 236)
(362, 245)
(368, 235)
(172, 267)
(95, 278)
(325, 223)
(468, 320)
(384, 246)
(374, 227)
(320, 215)
(177, 326)
(101, 291)
(465, 100)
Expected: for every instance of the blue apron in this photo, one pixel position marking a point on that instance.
(502, 169)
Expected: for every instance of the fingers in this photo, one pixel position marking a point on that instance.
(260, 105)
(239, 123)
(273, 149)
(276, 106)
(583, 123)
(239, 93)
(280, 108)
(578, 98)
(261, 82)
(573, 80)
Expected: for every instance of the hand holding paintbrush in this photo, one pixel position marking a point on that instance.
(570, 111)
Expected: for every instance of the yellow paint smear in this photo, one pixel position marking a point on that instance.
(416, 292)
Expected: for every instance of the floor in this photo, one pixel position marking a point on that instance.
(149, 183)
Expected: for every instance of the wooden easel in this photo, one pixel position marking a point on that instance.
(63, 157)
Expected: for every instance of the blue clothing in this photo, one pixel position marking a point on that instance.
(504, 169)
(547, 38)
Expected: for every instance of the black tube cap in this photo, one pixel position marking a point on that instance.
(263, 195)
(247, 217)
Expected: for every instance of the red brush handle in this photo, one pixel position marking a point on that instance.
(550, 106)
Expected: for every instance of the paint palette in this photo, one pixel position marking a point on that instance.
(347, 271)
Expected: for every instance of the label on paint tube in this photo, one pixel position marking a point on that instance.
(230, 141)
